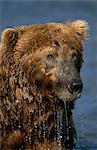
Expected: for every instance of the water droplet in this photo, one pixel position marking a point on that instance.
(26, 138)
(17, 101)
(21, 148)
(19, 126)
(43, 129)
(30, 139)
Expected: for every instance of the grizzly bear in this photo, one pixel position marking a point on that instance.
(39, 82)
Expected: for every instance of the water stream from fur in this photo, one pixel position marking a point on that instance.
(60, 133)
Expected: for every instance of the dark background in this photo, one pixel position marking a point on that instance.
(31, 12)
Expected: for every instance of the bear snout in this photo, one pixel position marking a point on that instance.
(75, 86)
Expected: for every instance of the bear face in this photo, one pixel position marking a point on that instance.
(40, 70)
(51, 56)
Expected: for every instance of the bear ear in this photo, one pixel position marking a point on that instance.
(9, 37)
(81, 27)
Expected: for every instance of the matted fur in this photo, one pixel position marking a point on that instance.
(31, 94)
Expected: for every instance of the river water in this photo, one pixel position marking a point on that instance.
(25, 12)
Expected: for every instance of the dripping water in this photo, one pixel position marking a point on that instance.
(59, 128)
(55, 125)
(67, 121)
(42, 127)
(29, 123)
(61, 133)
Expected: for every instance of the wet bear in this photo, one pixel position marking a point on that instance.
(39, 82)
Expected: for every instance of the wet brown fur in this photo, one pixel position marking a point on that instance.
(21, 52)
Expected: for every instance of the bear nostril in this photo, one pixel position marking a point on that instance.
(75, 86)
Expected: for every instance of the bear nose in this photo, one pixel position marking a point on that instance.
(75, 86)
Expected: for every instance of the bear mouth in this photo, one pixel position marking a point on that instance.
(64, 92)
(65, 95)
(58, 90)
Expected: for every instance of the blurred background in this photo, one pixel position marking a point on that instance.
(33, 12)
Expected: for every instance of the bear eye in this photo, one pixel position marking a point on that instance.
(74, 56)
(76, 61)
(50, 56)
